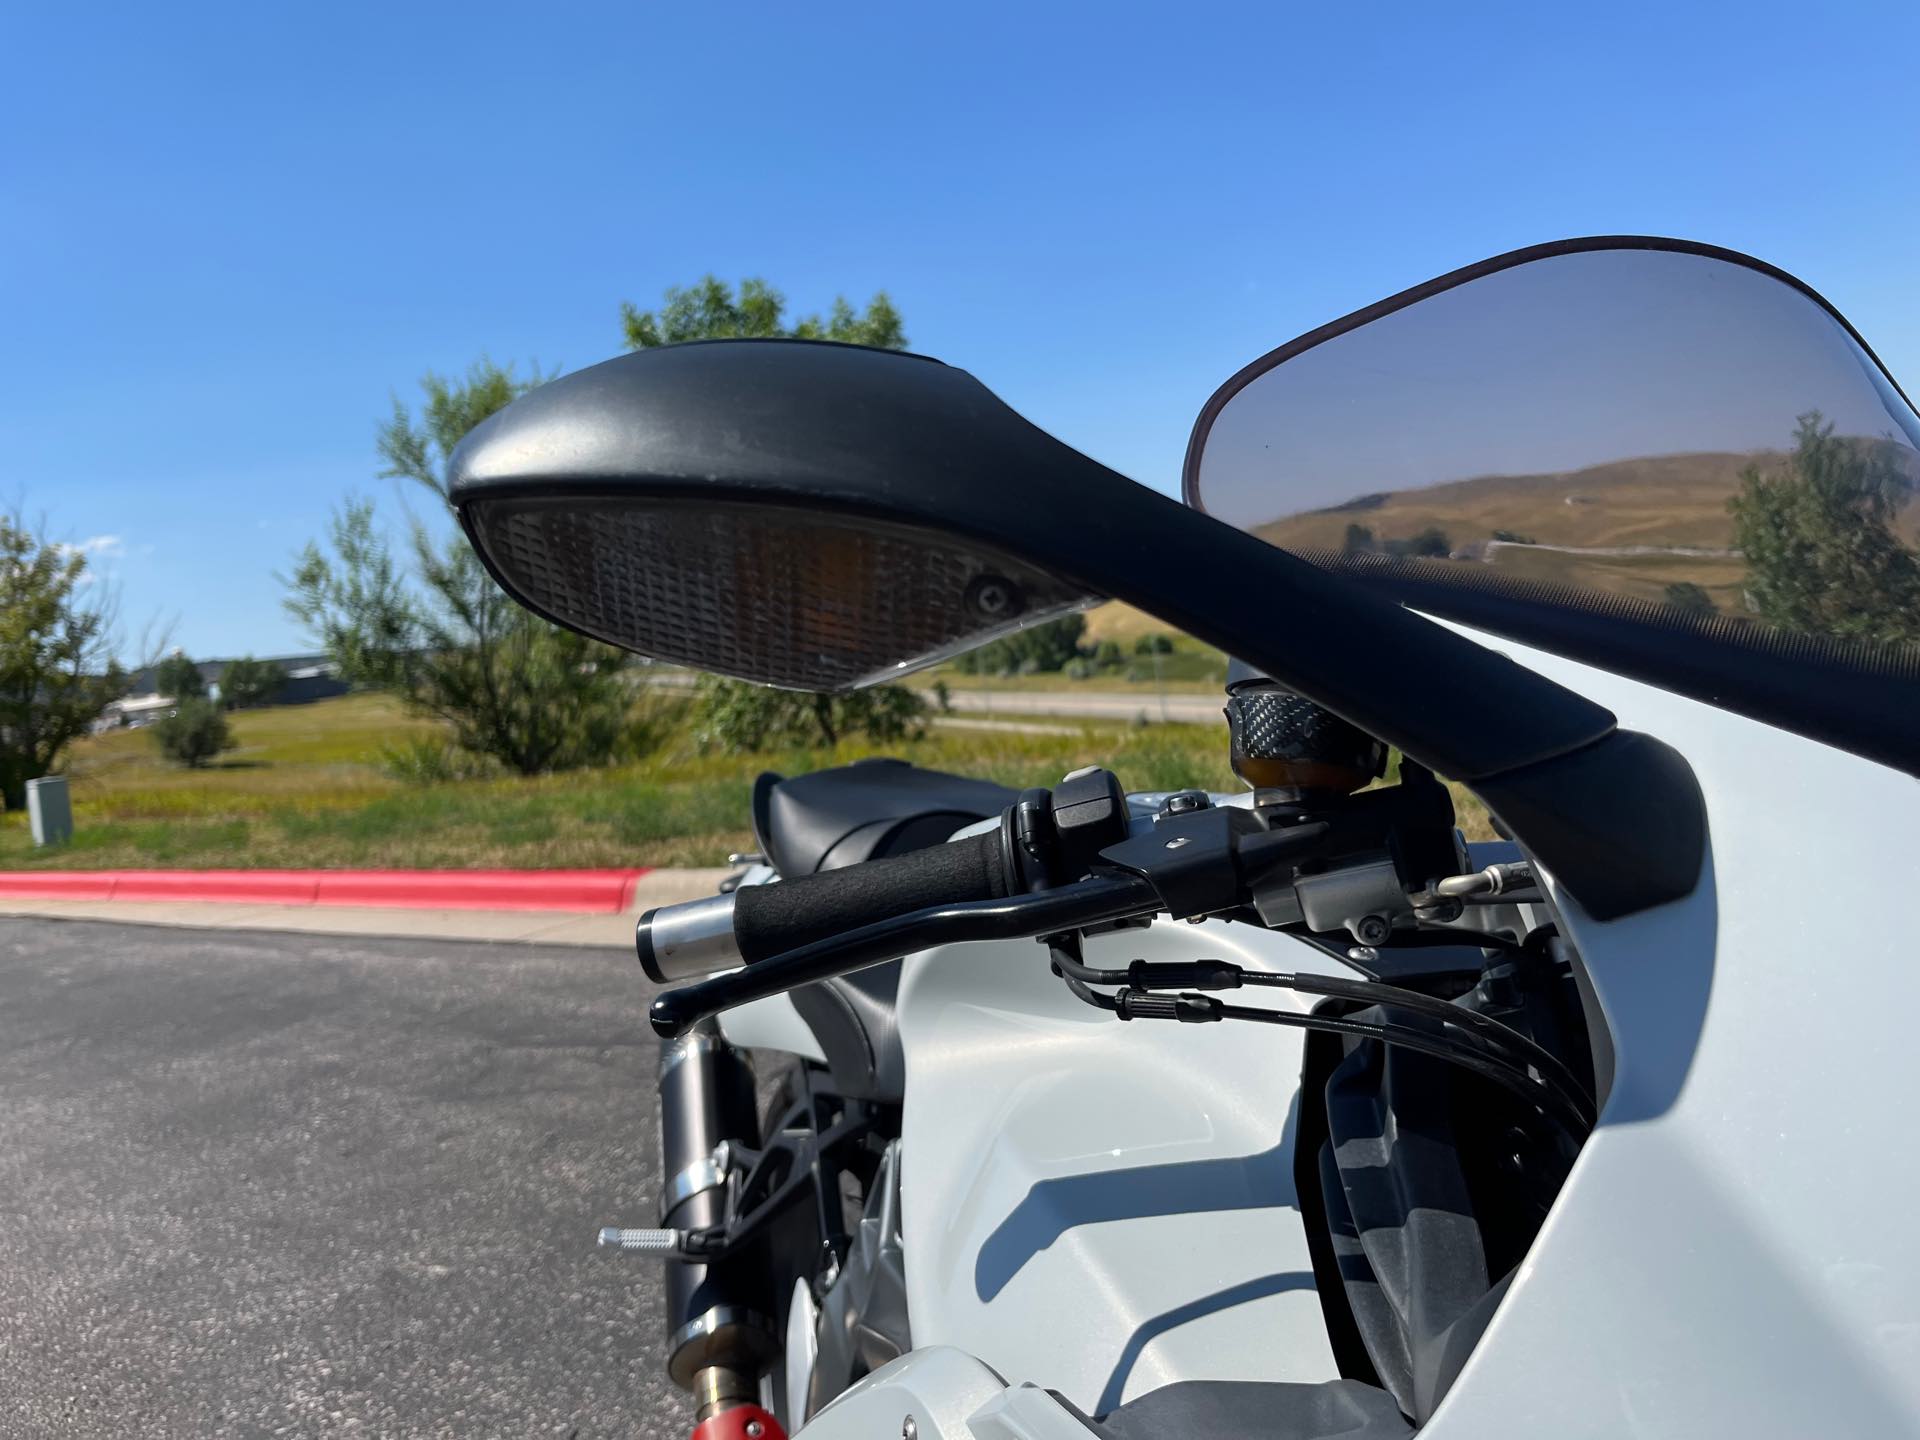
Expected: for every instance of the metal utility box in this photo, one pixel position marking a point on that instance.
(49, 810)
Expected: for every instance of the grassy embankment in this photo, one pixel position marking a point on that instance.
(305, 788)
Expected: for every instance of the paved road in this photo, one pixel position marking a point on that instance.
(295, 1185)
(1182, 706)
(1186, 707)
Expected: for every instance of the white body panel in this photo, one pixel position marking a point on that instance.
(1096, 1207)
(1735, 1253)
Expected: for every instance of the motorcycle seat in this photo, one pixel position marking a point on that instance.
(832, 818)
(871, 808)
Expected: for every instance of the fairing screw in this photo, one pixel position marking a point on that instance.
(1176, 844)
(755, 1430)
(1372, 930)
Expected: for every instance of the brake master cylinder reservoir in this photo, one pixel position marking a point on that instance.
(1283, 742)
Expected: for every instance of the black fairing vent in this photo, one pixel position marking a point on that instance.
(804, 599)
(1429, 1185)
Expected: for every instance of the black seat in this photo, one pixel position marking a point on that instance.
(862, 811)
(831, 818)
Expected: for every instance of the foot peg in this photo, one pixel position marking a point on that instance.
(667, 1244)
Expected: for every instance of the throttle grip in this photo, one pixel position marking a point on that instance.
(755, 922)
(769, 919)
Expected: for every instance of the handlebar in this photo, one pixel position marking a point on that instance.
(1096, 901)
(757, 922)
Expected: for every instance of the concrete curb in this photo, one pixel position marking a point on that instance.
(579, 891)
(529, 927)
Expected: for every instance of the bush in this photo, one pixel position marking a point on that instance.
(431, 760)
(733, 715)
(1689, 597)
(1428, 544)
(1154, 644)
(194, 733)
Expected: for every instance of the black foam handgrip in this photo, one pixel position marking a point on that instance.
(771, 919)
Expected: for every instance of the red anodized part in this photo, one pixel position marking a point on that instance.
(740, 1422)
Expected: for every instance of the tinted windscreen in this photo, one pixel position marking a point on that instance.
(1658, 434)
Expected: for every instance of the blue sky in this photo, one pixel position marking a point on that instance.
(228, 234)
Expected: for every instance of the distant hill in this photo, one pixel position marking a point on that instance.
(1644, 523)
(1631, 527)
(1666, 500)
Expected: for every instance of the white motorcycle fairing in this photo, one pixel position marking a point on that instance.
(1100, 1208)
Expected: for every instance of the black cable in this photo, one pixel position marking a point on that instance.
(1193, 1008)
(1507, 1043)
(1373, 992)
(1542, 1097)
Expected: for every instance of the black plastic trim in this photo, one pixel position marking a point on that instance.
(1855, 696)
(1625, 816)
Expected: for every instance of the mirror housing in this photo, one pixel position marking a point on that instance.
(791, 512)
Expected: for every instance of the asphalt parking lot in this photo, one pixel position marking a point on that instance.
(259, 1184)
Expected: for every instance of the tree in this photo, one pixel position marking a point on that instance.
(57, 675)
(1048, 646)
(194, 733)
(1817, 534)
(1358, 540)
(442, 634)
(730, 712)
(711, 310)
(248, 682)
(178, 678)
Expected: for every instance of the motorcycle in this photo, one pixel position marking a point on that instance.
(1291, 1113)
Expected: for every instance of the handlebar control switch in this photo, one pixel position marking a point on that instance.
(1089, 814)
(1185, 802)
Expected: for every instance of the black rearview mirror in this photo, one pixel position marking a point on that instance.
(802, 514)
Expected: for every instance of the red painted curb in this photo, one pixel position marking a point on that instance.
(595, 891)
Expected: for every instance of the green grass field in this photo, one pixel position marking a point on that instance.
(305, 788)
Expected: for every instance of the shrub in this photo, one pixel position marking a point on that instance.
(732, 715)
(1687, 596)
(1153, 644)
(431, 760)
(194, 733)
